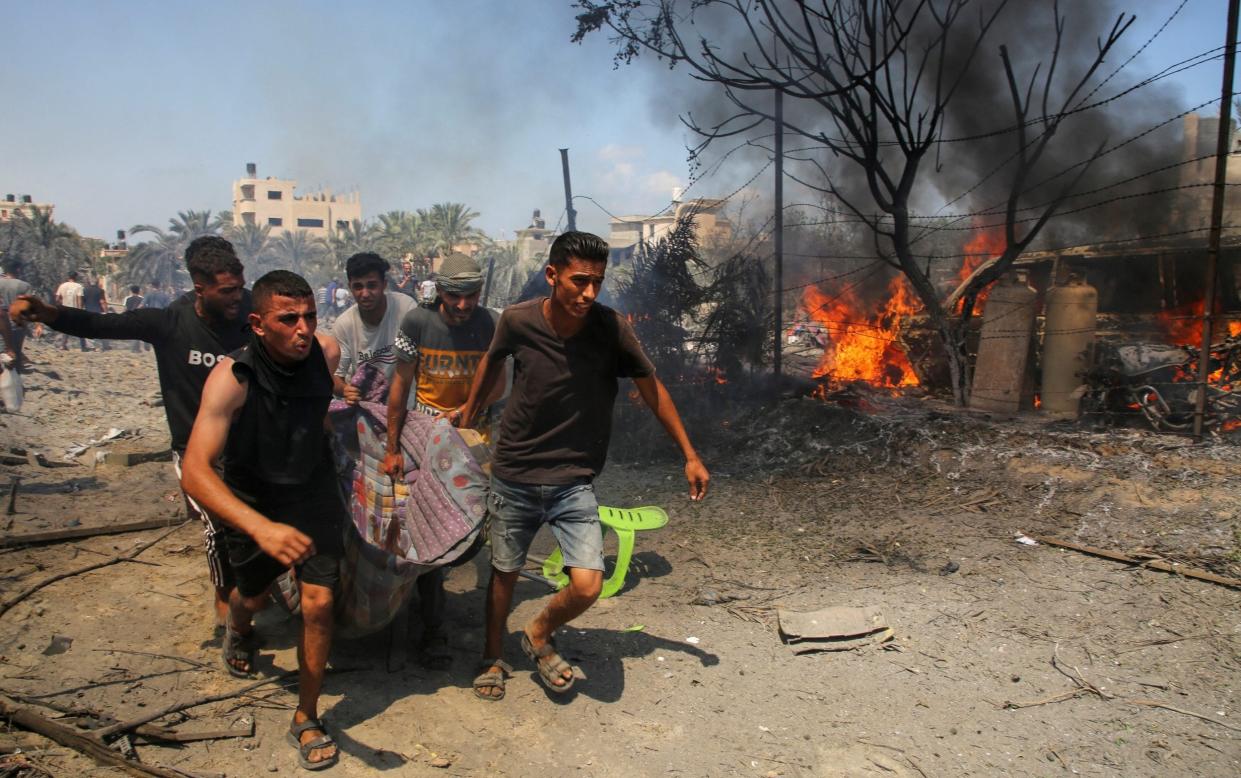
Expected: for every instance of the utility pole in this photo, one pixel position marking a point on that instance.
(779, 235)
(491, 271)
(568, 190)
(1217, 213)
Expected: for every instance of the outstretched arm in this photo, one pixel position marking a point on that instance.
(149, 324)
(656, 397)
(223, 395)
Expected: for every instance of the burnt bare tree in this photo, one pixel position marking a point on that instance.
(736, 331)
(873, 85)
(661, 295)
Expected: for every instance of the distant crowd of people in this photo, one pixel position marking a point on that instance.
(333, 298)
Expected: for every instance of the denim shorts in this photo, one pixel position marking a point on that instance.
(570, 510)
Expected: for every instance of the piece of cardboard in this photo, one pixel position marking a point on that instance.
(832, 629)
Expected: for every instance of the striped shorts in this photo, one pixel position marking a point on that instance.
(213, 536)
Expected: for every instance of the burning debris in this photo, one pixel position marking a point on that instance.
(1160, 381)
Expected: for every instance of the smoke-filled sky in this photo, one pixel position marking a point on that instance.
(123, 113)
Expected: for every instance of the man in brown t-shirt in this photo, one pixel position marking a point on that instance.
(568, 352)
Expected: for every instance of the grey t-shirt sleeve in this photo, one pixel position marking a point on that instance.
(632, 361)
(346, 337)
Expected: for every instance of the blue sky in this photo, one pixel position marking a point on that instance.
(125, 112)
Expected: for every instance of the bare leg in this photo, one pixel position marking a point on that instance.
(240, 616)
(564, 606)
(499, 600)
(222, 597)
(312, 654)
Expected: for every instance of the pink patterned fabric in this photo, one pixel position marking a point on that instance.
(405, 529)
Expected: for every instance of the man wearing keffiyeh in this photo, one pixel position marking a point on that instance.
(438, 350)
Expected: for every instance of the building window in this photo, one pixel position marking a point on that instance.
(310, 223)
(275, 194)
(275, 221)
(247, 192)
(341, 224)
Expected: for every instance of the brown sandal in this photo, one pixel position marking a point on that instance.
(549, 664)
(490, 679)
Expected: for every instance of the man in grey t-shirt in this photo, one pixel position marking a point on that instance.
(367, 331)
(10, 288)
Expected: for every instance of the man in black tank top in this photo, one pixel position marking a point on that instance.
(262, 419)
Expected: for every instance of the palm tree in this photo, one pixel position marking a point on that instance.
(251, 242)
(160, 259)
(354, 237)
(450, 226)
(156, 260)
(501, 266)
(47, 248)
(298, 251)
(401, 233)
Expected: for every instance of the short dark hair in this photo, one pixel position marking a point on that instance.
(281, 283)
(582, 245)
(73, 275)
(364, 263)
(208, 256)
(135, 289)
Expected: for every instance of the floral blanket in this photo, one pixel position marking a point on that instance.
(430, 518)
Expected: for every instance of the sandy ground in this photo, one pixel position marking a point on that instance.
(1023, 660)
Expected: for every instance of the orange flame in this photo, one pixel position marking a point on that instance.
(1183, 325)
(987, 243)
(863, 344)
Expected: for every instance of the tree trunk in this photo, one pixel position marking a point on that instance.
(952, 332)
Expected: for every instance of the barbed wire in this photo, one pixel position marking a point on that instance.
(1136, 53)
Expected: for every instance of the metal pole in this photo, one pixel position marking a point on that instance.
(1217, 213)
(779, 235)
(568, 190)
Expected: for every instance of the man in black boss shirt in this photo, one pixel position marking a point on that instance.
(189, 337)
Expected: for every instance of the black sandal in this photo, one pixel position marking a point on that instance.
(240, 647)
(305, 749)
(433, 652)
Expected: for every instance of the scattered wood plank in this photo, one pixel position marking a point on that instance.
(146, 718)
(15, 599)
(1174, 709)
(13, 487)
(29, 720)
(75, 533)
(1154, 564)
(148, 732)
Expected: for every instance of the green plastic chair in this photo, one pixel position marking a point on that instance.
(625, 522)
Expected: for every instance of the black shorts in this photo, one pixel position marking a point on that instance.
(316, 509)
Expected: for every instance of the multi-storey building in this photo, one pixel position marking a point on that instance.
(710, 224)
(11, 205)
(271, 201)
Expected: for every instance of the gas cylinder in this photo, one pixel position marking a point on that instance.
(1004, 345)
(1068, 345)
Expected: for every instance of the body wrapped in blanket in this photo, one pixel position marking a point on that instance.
(399, 531)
